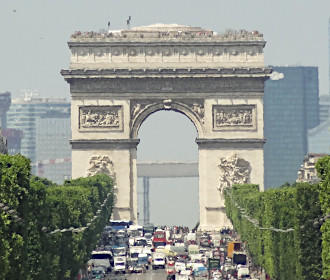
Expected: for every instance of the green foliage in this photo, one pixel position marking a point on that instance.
(323, 170)
(27, 251)
(284, 255)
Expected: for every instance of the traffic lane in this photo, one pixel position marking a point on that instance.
(158, 274)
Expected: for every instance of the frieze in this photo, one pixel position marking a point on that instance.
(233, 170)
(234, 117)
(167, 50)
(153, 85)
(101, 117)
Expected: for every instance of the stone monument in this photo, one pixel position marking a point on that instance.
(118, 78)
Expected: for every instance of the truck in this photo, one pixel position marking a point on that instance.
(159, 238)
(239, 258)
(158, 260)
(233, 246)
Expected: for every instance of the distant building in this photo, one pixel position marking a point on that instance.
(53, 133)
(3, 144)
(319, 138)
(24, 114)
(307, 172)
(324, 108)
(291, 107)
(14, 139)
(5, 101)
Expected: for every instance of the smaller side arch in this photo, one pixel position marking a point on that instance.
(196, 115)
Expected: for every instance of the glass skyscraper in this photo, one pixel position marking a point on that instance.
(291, 107)
(53, 133)
(25, 113)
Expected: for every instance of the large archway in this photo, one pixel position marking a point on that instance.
(118, 79)
(167, 137)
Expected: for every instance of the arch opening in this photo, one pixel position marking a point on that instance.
(168, 136)
(194, 116)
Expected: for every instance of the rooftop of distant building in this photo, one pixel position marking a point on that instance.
(28, 99)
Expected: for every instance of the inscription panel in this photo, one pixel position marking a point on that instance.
(101, 118)
(234, 117)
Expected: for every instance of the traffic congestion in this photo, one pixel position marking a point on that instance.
(128, 251)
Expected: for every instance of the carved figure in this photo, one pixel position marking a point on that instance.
(199, 110)
(136, 109)
(108, 116)
(100, 165)
(233, 170)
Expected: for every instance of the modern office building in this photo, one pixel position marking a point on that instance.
(324, 108)
(53, 133)
(24, 115)
(291, 107)
(319, 138)
(5, 101)
(14, 140)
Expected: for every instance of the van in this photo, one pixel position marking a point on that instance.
(119, 265)
(101, 258)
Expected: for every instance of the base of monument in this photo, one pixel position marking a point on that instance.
(216, 219)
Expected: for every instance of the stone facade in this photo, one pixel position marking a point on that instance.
(118, 79)
(307, 172)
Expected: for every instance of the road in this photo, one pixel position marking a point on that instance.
(149, 275)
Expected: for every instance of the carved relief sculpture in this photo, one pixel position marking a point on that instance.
(233, 170)
(198, 108)
(100, 165)
(234, 117)
(137, 106)
(109, 117)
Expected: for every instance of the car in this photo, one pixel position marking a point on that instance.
(98, 272)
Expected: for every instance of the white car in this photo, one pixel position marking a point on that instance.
(180, 266)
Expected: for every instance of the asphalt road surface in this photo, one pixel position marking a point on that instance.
(149, 275)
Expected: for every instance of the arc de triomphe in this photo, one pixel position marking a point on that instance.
(118, 78)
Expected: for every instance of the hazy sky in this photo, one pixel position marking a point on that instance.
(34, 32)
(33, 51)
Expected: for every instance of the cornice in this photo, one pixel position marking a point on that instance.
(92, 144)
(165, 73)
(230, 143)
(161, 43)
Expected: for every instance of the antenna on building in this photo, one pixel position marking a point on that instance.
(128, 22)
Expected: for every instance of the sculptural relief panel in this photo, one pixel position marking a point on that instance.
(100, 164)
(233, 170)
(234, 117)
(101, 118)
